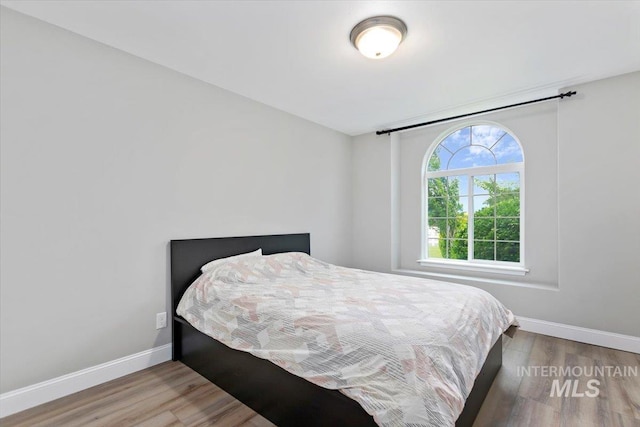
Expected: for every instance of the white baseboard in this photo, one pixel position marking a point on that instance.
(46, 391)
(585, 335)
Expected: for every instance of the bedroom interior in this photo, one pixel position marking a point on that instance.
(124, 131)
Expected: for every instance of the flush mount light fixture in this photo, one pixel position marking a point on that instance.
(379, 36)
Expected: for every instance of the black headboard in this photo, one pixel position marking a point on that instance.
(187, 256)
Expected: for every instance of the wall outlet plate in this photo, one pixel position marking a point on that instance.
(161, 320)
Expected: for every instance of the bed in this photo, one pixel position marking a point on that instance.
(281, 397)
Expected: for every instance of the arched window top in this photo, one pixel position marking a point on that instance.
(474, 146)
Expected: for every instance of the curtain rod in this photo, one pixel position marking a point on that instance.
(432, 122)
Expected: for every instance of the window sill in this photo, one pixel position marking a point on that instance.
(468, 266)
(475, 280)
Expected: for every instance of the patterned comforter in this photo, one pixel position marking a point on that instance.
(407, 349)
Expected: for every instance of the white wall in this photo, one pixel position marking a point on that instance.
(105, 158)
(596, 207)
(371, 178)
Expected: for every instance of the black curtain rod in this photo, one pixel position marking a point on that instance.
(389, 131)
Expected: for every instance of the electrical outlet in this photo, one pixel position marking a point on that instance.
(161, 320)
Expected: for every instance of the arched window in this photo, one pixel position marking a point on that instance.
(473, 198)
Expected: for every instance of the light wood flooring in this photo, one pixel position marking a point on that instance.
(170, 394)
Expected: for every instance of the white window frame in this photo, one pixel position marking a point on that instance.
(470, 264)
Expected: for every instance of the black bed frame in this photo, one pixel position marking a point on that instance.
(281, 397)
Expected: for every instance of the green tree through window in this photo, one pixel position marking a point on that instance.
(473, 198)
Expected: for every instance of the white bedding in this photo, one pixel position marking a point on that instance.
(407, 349)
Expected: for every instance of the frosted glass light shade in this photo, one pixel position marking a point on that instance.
(378, 37)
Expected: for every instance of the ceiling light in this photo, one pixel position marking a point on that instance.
(379, 36)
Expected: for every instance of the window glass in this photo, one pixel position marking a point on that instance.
(492, 204)
(470, 157)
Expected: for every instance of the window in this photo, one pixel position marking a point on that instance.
(473, 204)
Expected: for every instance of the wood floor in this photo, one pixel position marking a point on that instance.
(171, 394)
(517, 400)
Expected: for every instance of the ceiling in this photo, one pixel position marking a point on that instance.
(296, 55)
